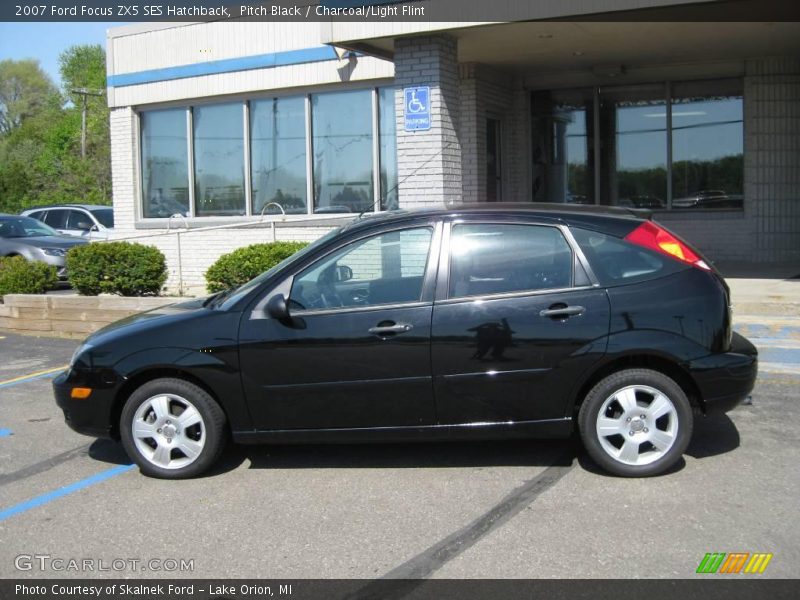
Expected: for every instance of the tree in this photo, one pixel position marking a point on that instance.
(40, 150)
(25, 90)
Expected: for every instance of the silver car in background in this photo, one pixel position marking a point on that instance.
(88, 221)
(33, 240)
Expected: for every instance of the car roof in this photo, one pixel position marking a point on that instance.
(84, 206)
(601, 218)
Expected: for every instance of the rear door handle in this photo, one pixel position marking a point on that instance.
(562, 312)
(391, 329)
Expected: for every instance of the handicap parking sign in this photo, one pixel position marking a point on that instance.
(417, 108)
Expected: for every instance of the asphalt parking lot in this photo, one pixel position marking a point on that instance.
(494, 510)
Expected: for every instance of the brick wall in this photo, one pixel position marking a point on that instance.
(123, 161)
(429, 162)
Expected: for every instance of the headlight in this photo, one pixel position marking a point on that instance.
(78, 351)
(54, 251)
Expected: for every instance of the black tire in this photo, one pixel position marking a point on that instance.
(601, 394)
(212, 429)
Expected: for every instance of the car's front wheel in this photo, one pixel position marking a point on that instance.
(636, 423)
(172, 429)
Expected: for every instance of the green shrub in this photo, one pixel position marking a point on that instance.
(119, 268)
(242, 265)
(20, 276)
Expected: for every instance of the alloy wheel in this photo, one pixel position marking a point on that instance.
(168, 431)
(637, 425)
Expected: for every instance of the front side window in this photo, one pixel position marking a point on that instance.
(219, 160)
(105, 216)
(384, 269)
(343, 152)
(278, 154)
(77, 219)
(165, 163)
(498, 258)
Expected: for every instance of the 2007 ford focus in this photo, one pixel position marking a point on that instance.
(466, 323)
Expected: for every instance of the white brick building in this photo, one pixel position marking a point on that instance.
(220, 121)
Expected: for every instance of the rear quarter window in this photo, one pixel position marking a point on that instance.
(617, 262)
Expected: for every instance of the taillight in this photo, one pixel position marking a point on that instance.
(649, 235)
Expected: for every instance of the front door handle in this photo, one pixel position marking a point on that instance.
(394, 328)
(562, 312)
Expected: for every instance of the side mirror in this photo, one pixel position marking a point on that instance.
(84, 226)
(343, 273)
(277, 307)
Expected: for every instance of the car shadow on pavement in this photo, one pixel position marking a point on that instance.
(109, 451)
(523, 453)
(713, 435)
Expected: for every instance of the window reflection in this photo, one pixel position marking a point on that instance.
(219, 160)
(342, 130)
(635, 165)
(563, 169)
(388, 149)
(165, 163)
(278, 151)
(707, 152)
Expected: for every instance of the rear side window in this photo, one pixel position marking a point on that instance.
(57, 219)
(498, 258)
(38, 215)
(616, 261)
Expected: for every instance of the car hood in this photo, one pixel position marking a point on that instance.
(50, 241)
(144, 321)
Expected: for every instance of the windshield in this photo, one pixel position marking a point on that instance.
(21, 227)
(233, 296)
(105, 216)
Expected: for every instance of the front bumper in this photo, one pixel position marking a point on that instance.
(93, 416)
(726, 380)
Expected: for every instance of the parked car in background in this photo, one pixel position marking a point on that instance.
(478, 322)
(710, 199)
(79, 220)
(33, 240)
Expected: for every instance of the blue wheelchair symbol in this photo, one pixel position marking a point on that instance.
(417, 108)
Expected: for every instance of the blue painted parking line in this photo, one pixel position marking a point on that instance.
(780, 355)
(22, 507)
(5, 433)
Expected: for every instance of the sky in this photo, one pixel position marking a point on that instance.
(45, 41)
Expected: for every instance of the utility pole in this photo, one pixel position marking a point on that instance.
(84, 93)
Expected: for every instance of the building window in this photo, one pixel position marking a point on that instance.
(634, 168)
(352, 135)
(657, 146)
(165, 163)
(278, 154)
(707, 147)
(343, 152)
(387, 128)
(218, 160)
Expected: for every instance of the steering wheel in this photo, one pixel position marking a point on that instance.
(327, 290)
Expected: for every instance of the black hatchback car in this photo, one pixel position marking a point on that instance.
(468, 323)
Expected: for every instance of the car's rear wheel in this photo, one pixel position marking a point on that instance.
(636, 423)
(172, 429)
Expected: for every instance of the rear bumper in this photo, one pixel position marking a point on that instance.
(725, 380)
(92, 416)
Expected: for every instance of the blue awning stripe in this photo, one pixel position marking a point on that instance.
(230, 65)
